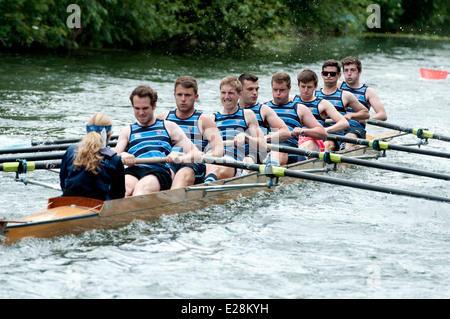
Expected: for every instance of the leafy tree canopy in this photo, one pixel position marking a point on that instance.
(213, 24)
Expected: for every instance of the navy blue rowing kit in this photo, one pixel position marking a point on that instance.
(257, 110)
(360, 94)
(109, 183)
(336, 100)
(288, 113)
(229, 126)
(191, 129)
(148, 142)
(313, 106)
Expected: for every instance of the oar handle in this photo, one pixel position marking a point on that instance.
(152, 160)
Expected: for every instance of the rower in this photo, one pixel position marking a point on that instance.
(274, 128)
(342, 101)
(236, 125)
(320, 108)
(199, 127)
(150, 137)
(296, 116)
(90, 169)
(352, 68)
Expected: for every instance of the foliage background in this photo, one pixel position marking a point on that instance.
(210, 24)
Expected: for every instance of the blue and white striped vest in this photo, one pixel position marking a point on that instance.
(190, 128)
(150, 141)
(288, 113)
(229, 126)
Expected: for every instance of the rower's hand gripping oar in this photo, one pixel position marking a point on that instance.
(379, 145)
(276, 171)
(419, 132)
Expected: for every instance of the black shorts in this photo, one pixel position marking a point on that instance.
(293, 158)
(164, 178)
(198, 168)
(356, 129)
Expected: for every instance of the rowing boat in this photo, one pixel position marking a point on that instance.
(75, 215)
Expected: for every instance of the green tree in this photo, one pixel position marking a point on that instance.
(214, 24)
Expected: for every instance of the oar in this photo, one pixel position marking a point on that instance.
(381, 145)
(42, 148)
(33, 157)
(283, 172)
(31, 166)
(37, 157)
(433, 74)
(35, 149)
(329, 157)
(67, 141)
(420, 133)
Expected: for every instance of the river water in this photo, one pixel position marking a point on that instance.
(309, 240)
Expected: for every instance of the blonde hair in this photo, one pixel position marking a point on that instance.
(233, 82)
(88, 153)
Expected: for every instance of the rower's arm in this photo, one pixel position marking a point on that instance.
(310, 126)
(122, 146)
(374, 101)
(210, 131)
(256, 138)
(279, 130)
(122, 141)
(191, 154)
(360, 112)
(341, 123)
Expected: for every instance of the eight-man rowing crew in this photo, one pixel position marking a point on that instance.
(241, 131)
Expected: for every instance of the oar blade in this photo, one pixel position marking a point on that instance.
(433, 74)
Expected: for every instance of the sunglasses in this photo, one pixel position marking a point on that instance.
(326, 73)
